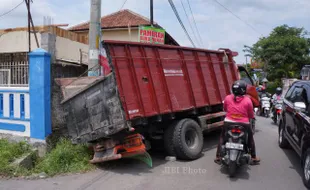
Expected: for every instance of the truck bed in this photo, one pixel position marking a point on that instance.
(146, 81)
(160, 79)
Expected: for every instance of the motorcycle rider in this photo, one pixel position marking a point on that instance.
(263, 93)
(277, 96)
(239, 109)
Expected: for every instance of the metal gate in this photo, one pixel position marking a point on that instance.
(14, 69)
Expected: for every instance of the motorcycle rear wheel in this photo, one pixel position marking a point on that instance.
(232, 167)
(275, 118)
(267, 113)
(278, 119)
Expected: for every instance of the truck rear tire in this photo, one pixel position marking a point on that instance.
(168, 142)
(187, 139)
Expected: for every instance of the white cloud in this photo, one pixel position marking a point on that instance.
(200, 18)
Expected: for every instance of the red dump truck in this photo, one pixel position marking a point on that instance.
(154, 93)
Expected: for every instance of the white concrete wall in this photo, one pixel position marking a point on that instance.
(118, 35)
(66, 49)
(121, 35)
(17, 41)
(71, 50)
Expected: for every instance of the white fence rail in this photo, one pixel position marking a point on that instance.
(15, 110)
(26, 111)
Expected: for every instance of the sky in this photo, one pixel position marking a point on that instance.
(218, 27)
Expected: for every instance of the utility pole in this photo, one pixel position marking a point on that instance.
(30, 21)
(94, 38)
(29, 30)
(151, 12)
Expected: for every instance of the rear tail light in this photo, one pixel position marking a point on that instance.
(236, 131)
(278, 111)
(133, 141)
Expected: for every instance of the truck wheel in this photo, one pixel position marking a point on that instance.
(187, 139)
(168, 142)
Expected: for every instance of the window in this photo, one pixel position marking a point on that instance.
(289, 92)
(247, 80)
(298, 95)
(245, 77)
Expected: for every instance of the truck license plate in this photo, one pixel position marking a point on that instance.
(237, 146)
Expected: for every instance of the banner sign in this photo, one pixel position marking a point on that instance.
(149, 34)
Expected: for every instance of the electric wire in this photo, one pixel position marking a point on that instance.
(180, 21)
(190, 23)
(123, 5)
(190, 8)
(8, 12)
(245, 22)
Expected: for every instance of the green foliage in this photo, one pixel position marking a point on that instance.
(8, 153)
(65, 158)
(284, 52)
(271, 87)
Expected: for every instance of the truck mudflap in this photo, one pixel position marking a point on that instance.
(131, 147)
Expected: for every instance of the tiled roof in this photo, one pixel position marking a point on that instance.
(118, 19)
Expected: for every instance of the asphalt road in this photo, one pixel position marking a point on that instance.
(279, 170)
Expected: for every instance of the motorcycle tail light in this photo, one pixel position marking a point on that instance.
(278, 111)
(236, 131)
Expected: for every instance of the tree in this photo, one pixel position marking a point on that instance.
(283, 53)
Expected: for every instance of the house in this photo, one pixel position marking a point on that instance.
(123, 26)
(69, 52)
(67, 46)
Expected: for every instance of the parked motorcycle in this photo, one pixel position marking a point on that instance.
(265, 108)
(277, 111)
(256, 111)
(235, 152)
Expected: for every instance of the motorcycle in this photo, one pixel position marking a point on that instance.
(235, 151)
(277, 111)
(256, 110)
(265, 108)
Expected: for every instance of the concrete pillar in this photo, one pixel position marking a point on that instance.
(40, 94)
(48, 43)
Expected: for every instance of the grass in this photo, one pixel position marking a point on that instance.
(65, 158)
(8, 153)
